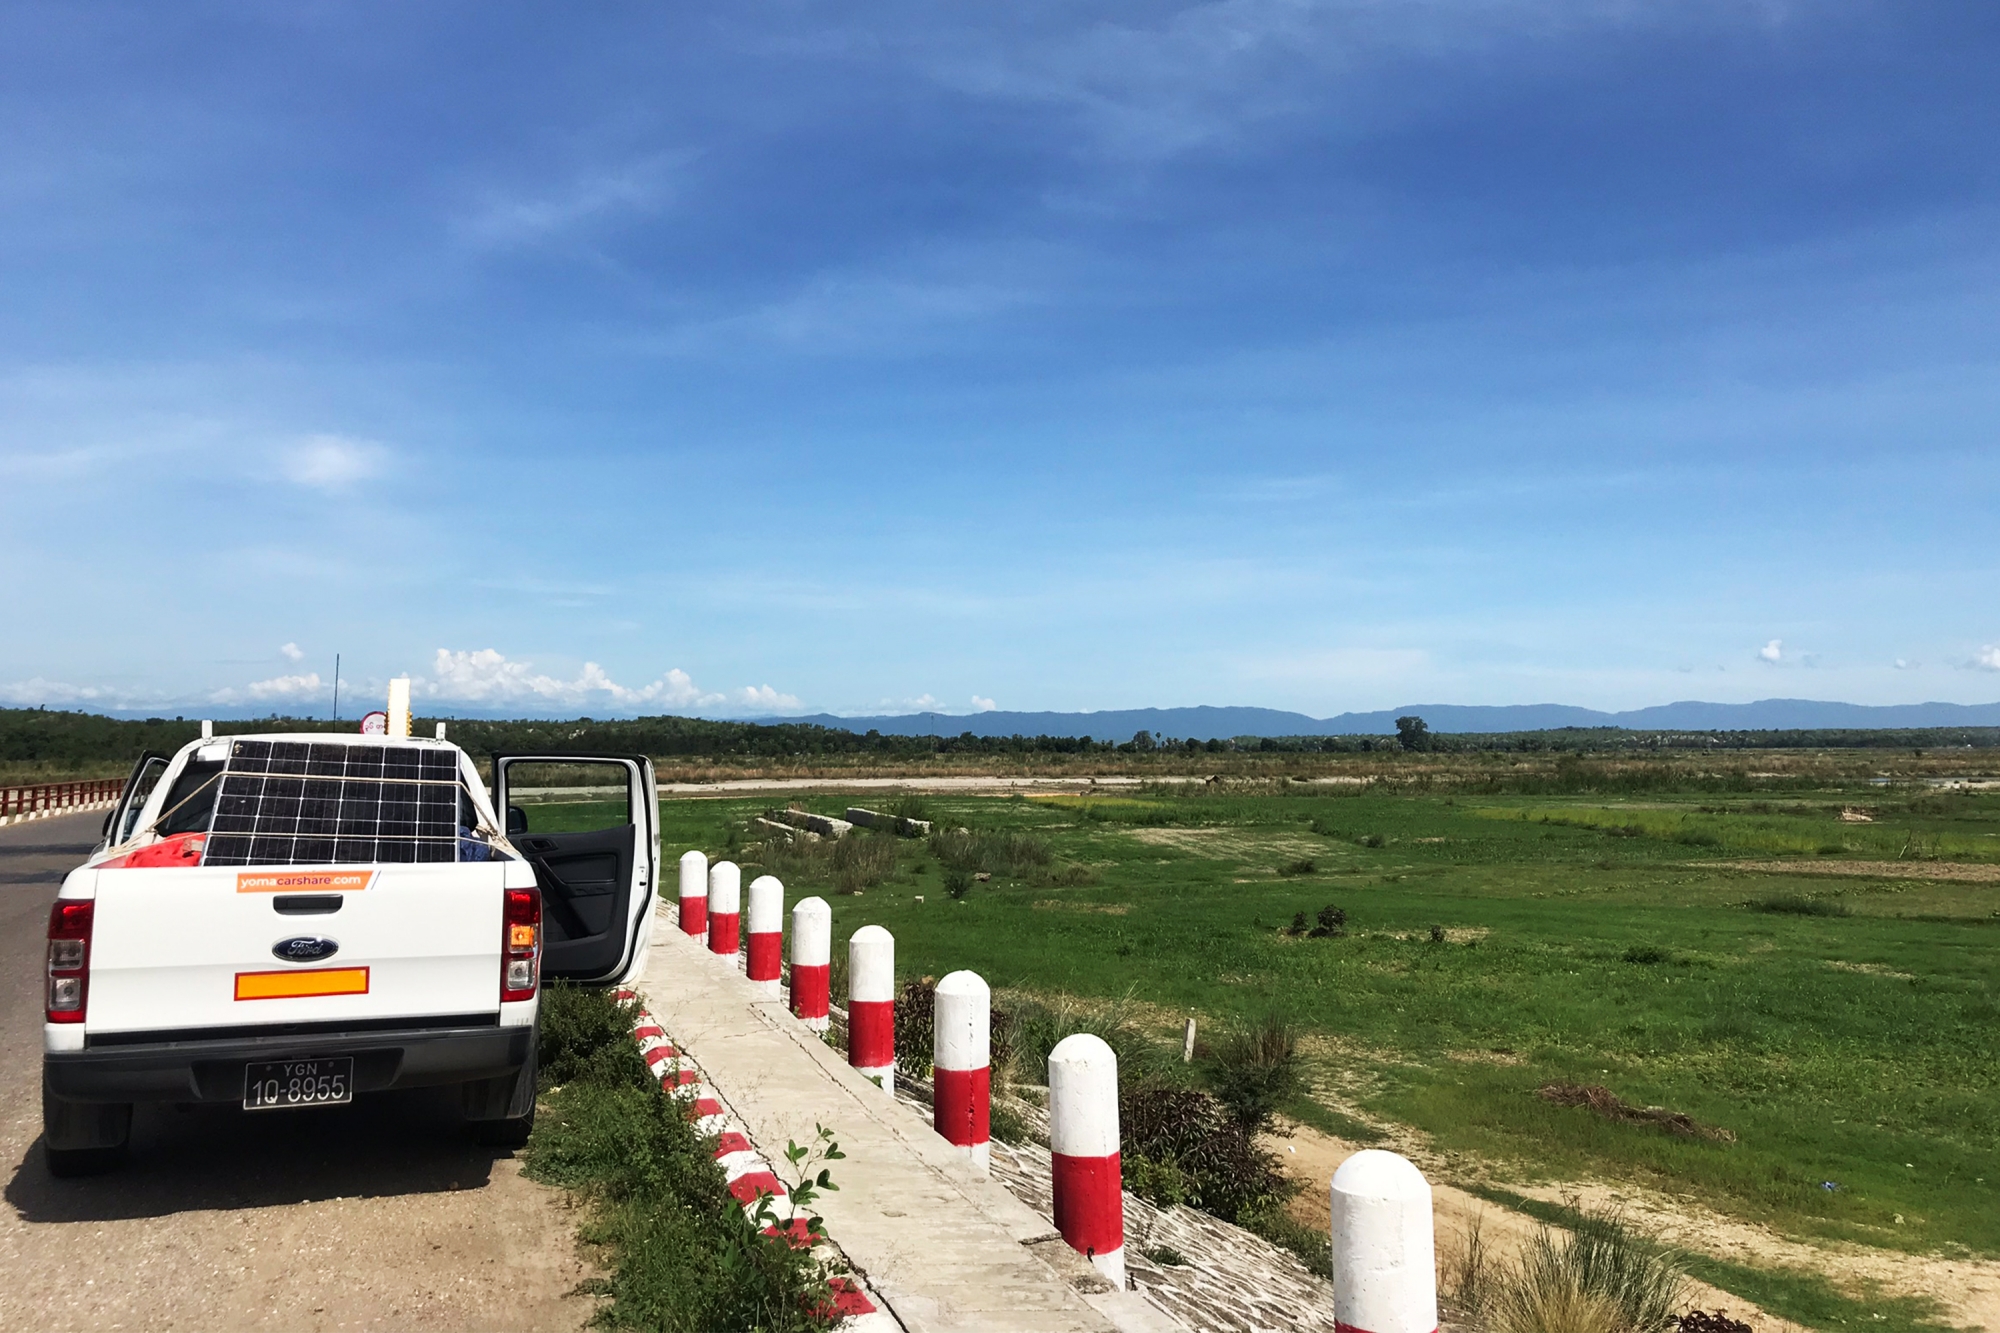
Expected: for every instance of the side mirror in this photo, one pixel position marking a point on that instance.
(517, 820)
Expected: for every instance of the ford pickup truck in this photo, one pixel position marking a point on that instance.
(283, 921)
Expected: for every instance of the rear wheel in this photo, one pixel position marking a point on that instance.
(83, 1138)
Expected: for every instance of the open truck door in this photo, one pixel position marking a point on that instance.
(123, 821)
(589, 824)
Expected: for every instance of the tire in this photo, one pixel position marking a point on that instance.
(83, 1138)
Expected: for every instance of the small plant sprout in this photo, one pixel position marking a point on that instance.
(805, 1185)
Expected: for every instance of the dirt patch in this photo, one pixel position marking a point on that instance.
(1604, 1102)
(1484, 1057)
(1235, 844)
(1943, 870)
(1871, 969)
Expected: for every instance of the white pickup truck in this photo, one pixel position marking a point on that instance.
(295, 920)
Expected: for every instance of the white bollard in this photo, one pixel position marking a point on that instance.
(763, 964)
(1083, 1136)
(962, 1073)
(694, 893)
(871, 1005)
(725, 908)
(1384, 1256)
(812, 962)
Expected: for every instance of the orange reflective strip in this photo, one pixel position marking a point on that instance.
(300, 985)
(303, 881)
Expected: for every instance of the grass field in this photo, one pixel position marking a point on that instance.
(1839, 1027)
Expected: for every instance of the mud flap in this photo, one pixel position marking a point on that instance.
(509, 1097)
(69, 1126)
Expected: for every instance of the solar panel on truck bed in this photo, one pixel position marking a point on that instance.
(318, 803)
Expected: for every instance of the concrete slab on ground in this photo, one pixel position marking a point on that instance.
(945, 1249)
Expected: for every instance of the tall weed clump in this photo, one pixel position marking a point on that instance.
(1015, 855)
(1600, 1277)
(1034, 1026)
(680, 1252)
(1253, 1071)
(861, 860)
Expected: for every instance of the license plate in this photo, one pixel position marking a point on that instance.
(280, 1083)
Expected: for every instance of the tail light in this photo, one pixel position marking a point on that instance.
(69, 959)
(521, 945)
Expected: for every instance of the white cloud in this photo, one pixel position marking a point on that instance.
(38, 691)
(1772, 651)
(334, 462)
(980, 705)
(1988, 659)
(764, 699)
(291, 652)
(638, 187)
(303, 686)
(1903, 664)
(487, 676)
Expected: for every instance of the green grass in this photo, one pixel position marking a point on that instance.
(1834, 1048)
(679, 1254)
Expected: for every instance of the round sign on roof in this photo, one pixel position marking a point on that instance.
(375, 724)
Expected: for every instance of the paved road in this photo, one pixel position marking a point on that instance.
(378, 1215)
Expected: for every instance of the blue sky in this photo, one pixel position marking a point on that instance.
(780, 357)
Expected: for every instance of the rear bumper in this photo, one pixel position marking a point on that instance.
(196, 1070)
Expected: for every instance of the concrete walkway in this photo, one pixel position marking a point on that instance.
(943, 1248)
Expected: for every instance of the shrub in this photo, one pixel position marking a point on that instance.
(679, 1253)
(1298, 926)
(1797, 904)
(1253, 1071)
(1647, 954)
(1301, 867)
(1332, 922)
(1182, 1146)
(958, 883)
(1437, 934)
(586, 1037)
(916, 1026)
(1372, 840)
(910, 807)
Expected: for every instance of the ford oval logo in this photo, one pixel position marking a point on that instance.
(305, 948)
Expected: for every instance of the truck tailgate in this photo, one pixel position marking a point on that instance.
(181, 948)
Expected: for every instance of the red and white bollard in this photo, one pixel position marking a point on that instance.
(694, 893)
(871, 1005)
(767, 924)
(962, 1074)
(725, 908)
(1083, 1137)
(1384, 1257)
(812, 962)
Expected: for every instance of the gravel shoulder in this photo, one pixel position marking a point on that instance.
(378, 1215)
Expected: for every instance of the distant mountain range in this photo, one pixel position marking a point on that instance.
(1208, 723)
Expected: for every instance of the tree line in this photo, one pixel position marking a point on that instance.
(55, 738)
